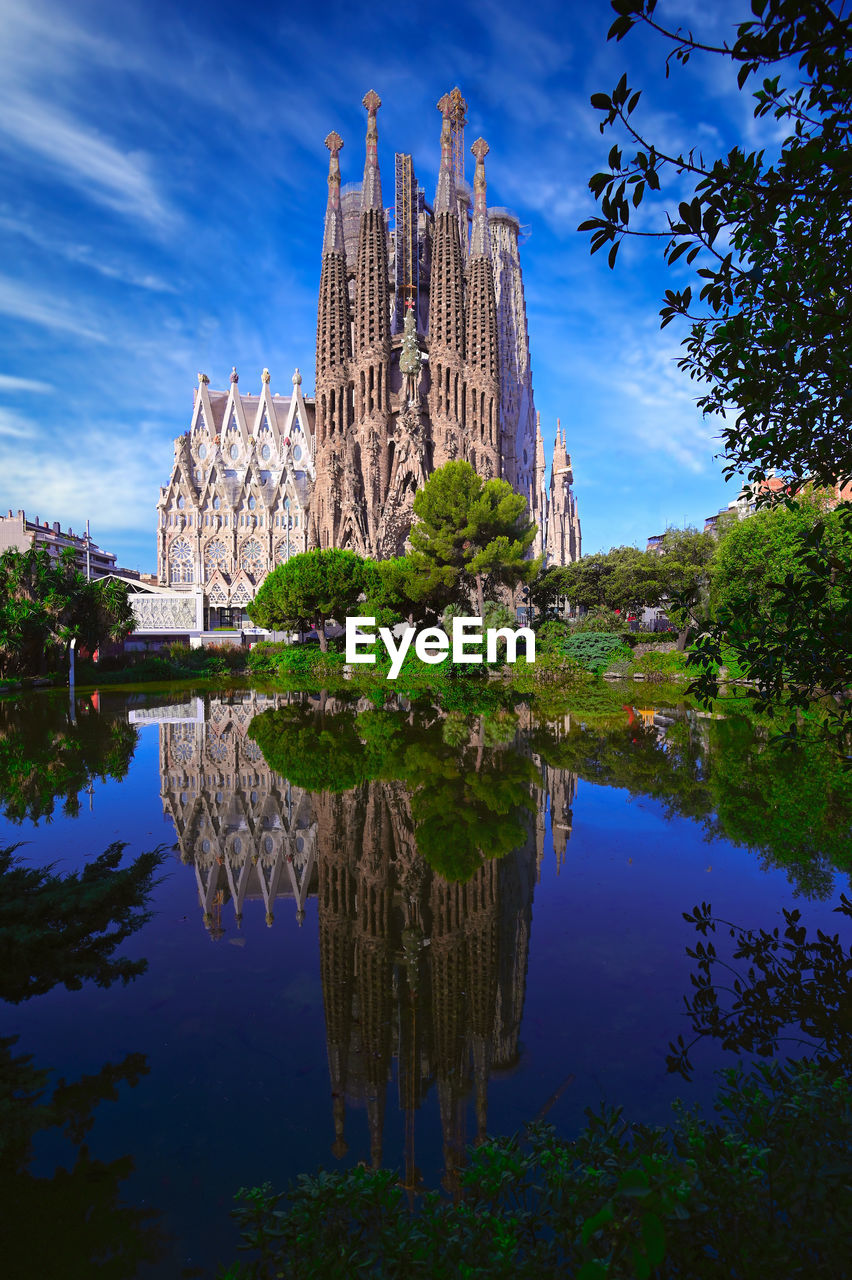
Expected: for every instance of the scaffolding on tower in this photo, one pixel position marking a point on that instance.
(407, 243)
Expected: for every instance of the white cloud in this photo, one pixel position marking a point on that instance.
(22, 303)
(85, 255)
(12, 424)
(10, 383)
(118, 495)
(95, 166)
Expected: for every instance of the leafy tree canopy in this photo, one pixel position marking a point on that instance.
(769, 330)
(771, 236)
(44, 758)
(45, 603)
(310, 588)
(471, 532)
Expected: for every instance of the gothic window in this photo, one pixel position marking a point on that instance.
(217, 595)
(252, 559)
(181, 503)
(297, 453)
(252, 503)
(281, 550)
(180, 562)
(265, 452)
(217, 502)
(240, 596)
(202, 451)
(215, 557)
(234, 451)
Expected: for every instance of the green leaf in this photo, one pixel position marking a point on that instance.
(654, 1238)
(598, 1220)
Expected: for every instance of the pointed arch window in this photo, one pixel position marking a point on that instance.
(215, 557)
(180, 561)
(252, 558)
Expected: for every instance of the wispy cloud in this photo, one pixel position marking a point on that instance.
(13, 425)
(22, 302)
(99, 169)
(10, 383)
(86, 255)
(70, 490)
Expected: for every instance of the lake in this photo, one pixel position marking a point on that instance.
(335, 974)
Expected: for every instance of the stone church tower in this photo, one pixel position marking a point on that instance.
(422, 356)
(382, 428)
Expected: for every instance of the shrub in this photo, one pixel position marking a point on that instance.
(598, 620)
(598, 650)
(763, 1191)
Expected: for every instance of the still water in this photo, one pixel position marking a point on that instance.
(334, 974)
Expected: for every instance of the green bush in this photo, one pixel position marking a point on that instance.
(762, 1191)
(299, 661)
(598, 650)
(601, 620)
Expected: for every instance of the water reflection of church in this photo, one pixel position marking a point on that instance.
(413, 968)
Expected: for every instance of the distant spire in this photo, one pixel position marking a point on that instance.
(480, 242)
(371, 192)
(333, 238)
(235, 377)
(445, 195)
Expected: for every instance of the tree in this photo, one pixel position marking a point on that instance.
(772, 239)
(471, 532)
(45, 603)
(43, 758)
(310, 588)
(66, 928)
(781, 586)
(755, 556)
(623, 578)
(395, 590)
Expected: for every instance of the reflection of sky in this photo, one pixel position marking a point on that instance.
(235, 1034)
(163, 193)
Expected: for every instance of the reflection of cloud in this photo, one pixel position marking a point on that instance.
(22, 303)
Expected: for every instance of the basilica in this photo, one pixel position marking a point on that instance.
(422, 356)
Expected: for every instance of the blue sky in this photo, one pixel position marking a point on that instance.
(161, 213)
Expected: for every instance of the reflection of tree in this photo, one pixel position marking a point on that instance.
(71, 1224)
(792, 806)
(468, 786)
(768, 988)
(54, 930)
(67, 928)
(43, 757)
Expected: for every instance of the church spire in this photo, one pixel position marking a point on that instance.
(333, 337)
(480, 242)
(333, 238)
(371, 192)
(482, 339)
(446, 290)
(445, 195)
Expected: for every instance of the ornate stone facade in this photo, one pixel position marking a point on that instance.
(422, 356)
